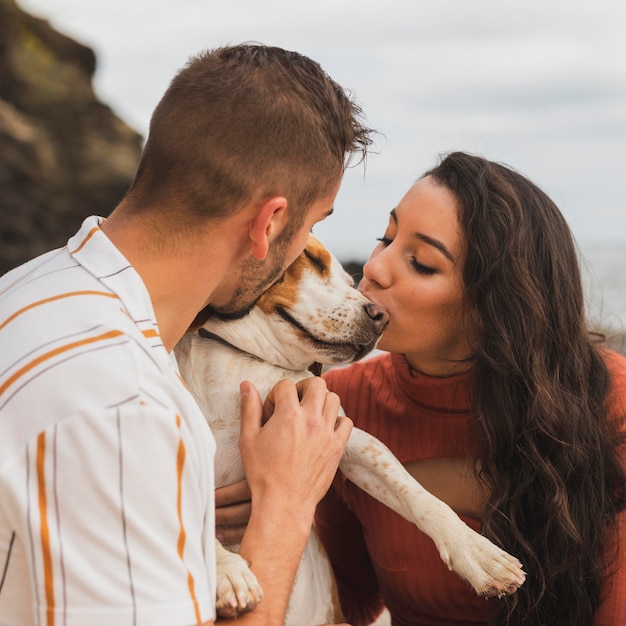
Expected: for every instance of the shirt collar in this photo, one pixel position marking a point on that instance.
(95, 252)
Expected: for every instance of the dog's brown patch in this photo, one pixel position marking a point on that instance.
(284, 293)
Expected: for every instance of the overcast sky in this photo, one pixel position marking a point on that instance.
(539, 85)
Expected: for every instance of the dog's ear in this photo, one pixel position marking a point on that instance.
(316, 368)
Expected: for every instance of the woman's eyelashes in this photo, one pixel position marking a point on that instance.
(422, 269)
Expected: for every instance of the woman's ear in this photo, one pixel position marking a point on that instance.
(269, 221)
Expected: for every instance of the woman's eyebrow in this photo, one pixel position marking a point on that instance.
(431, 241)
(435, 243)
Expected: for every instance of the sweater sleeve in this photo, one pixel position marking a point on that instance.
(612, 610)
(342, 536)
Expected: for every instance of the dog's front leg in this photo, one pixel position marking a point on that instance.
(238, 590)
(369, 464)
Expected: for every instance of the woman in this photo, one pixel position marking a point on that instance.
(489, 359)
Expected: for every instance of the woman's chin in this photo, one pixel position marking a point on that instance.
(385, 345)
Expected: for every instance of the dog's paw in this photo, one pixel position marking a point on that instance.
(238, 590)
(491, 571)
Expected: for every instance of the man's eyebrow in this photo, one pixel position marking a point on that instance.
(431, 241)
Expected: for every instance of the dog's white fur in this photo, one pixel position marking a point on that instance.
(314, 314)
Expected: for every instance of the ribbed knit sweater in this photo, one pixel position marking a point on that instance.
(381, 559)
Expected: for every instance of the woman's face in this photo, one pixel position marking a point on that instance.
(415, 274)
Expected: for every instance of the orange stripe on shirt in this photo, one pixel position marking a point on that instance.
(182, 536)
(149, 334)
(182, 381)
(86, 239)
(52, 299)
(44, 531)
(48, 355)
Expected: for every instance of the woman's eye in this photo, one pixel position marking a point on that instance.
(384, 240)
(422, 269)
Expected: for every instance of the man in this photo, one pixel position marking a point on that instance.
(106, 463)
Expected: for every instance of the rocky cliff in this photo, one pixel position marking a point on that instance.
(63, 154)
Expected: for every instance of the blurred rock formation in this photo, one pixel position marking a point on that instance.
(63, 154)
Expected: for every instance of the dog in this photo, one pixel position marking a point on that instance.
(314, 314)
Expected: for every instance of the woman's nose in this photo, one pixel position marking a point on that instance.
(376, 271)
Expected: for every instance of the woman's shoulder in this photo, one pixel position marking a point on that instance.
(616, 364)
(614, 358)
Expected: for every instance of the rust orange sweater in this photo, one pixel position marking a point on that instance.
(379, 558)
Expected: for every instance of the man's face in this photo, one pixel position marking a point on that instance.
(258, 276)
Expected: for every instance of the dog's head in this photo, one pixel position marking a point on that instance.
(312, 313)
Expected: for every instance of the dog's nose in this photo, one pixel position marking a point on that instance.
(378, 315)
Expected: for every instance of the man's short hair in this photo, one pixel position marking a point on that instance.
(245, 122)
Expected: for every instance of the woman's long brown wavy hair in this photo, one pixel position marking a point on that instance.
(547, 450)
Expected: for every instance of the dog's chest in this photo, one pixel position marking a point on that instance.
(213, 372)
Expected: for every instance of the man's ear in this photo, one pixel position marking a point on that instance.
(270, 219)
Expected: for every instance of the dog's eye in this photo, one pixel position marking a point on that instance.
(316, 261)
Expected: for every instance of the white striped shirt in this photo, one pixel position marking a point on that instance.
(106, 462)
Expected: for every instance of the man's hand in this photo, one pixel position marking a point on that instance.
(289, 462)
(291, 445)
